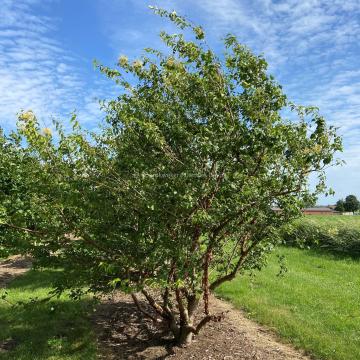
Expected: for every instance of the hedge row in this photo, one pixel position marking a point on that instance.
(336, 238)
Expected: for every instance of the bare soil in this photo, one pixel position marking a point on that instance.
(124, 334)
(9, 269)
(12, 267)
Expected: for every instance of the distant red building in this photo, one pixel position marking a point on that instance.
(320, 210)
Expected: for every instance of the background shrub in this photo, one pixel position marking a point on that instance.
(335, 234)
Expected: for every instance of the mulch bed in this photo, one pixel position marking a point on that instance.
(124, 334)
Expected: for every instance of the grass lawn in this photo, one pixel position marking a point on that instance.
(315, 306)
(333, 220)
(58, 329)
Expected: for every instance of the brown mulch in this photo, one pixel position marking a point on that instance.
(124, 334)
(12, 267)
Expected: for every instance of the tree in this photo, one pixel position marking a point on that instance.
(340, 205)
(351, 203)
(175, 195)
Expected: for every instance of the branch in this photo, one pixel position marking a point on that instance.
(137, 303)
(155, 305)
(184, 316)
(107, 250)
(205, 281)
(289, 191)
(167, 291)
(242, 241)
(238, 265)
(23, 229)
(230, 276)
(193, 302)
(195, 239)
(205, 320)
(206, 200)
(229, 218)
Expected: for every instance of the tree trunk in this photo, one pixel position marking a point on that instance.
(185, 337)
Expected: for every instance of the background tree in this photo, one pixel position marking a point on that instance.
(340, 205)
(351, 203)
(175, 194)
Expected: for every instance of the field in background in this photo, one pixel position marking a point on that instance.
(58, 330)
(315, 305)
(334, 220)
(335, 233)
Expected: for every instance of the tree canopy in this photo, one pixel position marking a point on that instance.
(177, 192)
(340, 205)
(351, 204)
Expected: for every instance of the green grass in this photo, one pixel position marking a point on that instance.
(315, 306)
(337, 234)
(58, 329)
(334, 220)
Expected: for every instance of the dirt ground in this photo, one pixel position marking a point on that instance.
(123, 334)
(12, 267)
(9, 269)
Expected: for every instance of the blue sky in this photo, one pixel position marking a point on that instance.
(312, 46)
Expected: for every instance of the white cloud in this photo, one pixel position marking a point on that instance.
(36, 72)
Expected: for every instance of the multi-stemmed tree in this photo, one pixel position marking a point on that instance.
(177, 192)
